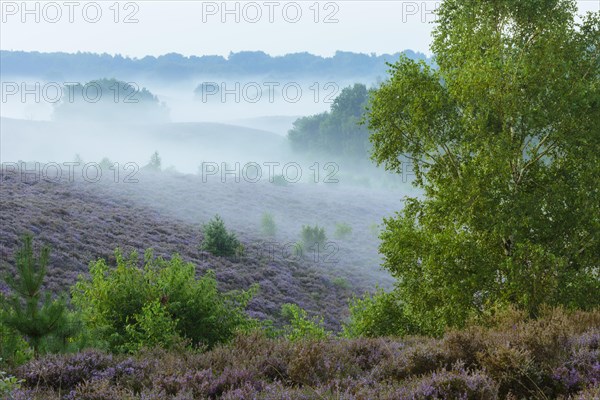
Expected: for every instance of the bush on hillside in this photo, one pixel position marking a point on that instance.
(217, 240)
(128, 307)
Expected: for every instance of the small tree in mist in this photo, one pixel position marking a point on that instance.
(155, 162)
(217, 240)
(105, 164)
(78, 159)
(29, 310)
(268, 224)
(313, 236)
(342, 230)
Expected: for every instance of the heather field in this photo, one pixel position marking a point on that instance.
(318, 200)
(83, 221)
(555, 357)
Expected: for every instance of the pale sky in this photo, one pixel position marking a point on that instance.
(197, 27)
(205, 28)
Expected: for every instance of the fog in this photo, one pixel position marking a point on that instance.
(221, 153)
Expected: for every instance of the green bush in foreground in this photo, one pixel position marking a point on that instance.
(8, 384)
(14, 350)
(217, 240)
(375, 315)
(161, 304)
(301, 326)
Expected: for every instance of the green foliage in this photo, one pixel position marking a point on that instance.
(217, 240)
(153, 327)
(128, 307)
(279, 180)
(341, 282)
(342, 230)
(300, 325)
(313, 236)
(268, 225)
(14, 350)
(507, 155)
(8, 384)
(376, 315)
(337, 132)
(155, 162)
(29, 310)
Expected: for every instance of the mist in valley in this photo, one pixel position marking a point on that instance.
(223, 150)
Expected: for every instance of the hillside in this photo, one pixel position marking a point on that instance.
(184, 145)
(82, 221)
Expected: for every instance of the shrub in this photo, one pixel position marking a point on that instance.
(8, 384)
(127, 307)
(14, 350)
(153, 327)
(340, 282)
(268, 225)
(456, 383)
(105, 164)
(342, 230)
(279, 180)
(300, 325)
(380, 314)
(253, 366)
(313, 238)
(155, 162)
(217, 240)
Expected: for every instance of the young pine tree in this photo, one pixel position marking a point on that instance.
(29, 310)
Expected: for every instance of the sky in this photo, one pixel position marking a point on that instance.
(203, 27)
(154, 27)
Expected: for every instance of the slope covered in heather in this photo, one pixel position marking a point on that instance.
(82, 221)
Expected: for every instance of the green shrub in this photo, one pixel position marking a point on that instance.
(128, 307)
(342, 230)
(313, 237)
(341, 282)
(217, 240)
(153, 327)
(268, 225)
(14, 350)
(8, 384)
(380, 314)
(279, 180)
(300, 325)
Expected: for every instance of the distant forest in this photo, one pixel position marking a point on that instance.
(175, 66)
